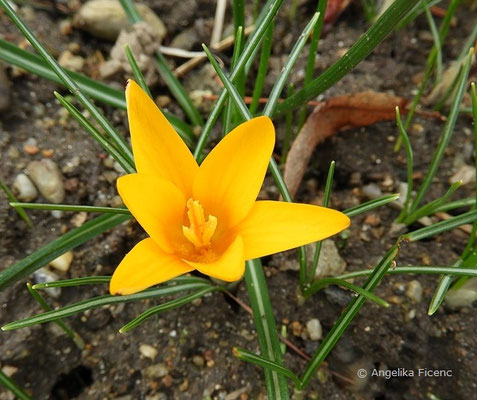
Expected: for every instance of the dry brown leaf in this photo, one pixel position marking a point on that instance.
(332, 116)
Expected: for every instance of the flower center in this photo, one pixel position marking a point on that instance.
(200, 231)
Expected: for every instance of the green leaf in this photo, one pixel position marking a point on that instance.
(253, 358)
(57, 247)
(370, 205)
(65, 328)
(264, 321)
(70, 207)
(347, 316)
(165, 290)
(322, 283)
(11, 385)
(170, 305)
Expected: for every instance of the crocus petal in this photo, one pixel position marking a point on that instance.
(229, 267)
(274, 226)
(158, 149)
(144, 266)
(157, 205)
(230, 178)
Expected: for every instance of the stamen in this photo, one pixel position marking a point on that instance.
(200, 231)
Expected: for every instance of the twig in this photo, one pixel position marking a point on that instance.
(218, 22)
(222, 45)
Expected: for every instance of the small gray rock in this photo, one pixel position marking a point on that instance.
(24, 188)
(48, 179)
(330, 262)
(44, 275)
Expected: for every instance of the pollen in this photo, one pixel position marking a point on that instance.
(200, 231)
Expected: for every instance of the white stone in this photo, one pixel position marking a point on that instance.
(48, 179)
(414, 291)
(24, 188)
(63, 262)
(148, 351)
(315, 331)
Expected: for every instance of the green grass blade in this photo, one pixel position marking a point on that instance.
(12, 54)
(104, 300)
(79, 342)
(11, 198)
(415, 269)
(469, 251)
(138, 76)
(87, 280)
(288, 129)
(11, 385)
(131, 11)
(68, 207)
(33, 63)
(166, 73)
(312, 51)
(253, 358)
(170, 305)
(347, 316)
(232, 91)
(431, 207)
(249, 48)
(442, 226)
(441, 290)
(468, 202)
(69, 83)
(370, 205)
(360, 50)
(262, 68)
(322, 283)
(59, 246)
(326, 201)
(230, 111)
(409, 162)
(436, 38)
(274, 95)
(264, 321)
(445, 136)
(89, 127)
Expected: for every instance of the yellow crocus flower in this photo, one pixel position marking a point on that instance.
(205, 217)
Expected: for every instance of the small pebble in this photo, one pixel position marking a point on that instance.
(156, 371)
(43, 275)
(63, 262)
(48, 179)
(464, 296)
(30, 147)
(24, 188)
(9, 370)
(414, 291)
(315, 331)
(148, 351)
(372, 191)
(466, 174)
(198, 361)
(68, 60)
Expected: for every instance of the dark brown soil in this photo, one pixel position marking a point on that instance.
(195, 342)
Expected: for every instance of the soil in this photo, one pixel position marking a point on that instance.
(194, 343)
